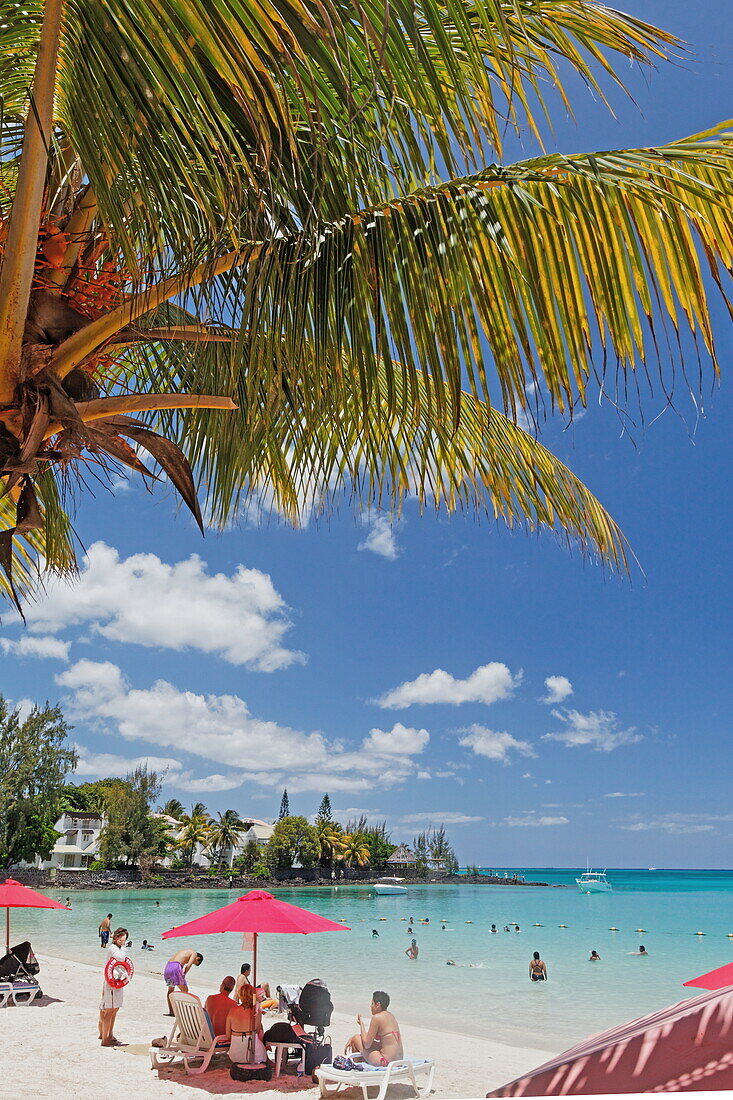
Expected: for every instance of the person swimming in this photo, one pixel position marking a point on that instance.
(594, 957)
(537, 969)
(494, 928)
(642, 951)
(375, 933)
(145, 946)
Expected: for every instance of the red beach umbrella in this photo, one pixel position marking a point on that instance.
(714, 979)
(13, 895)
(257, 912)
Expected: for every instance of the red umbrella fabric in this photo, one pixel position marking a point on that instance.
(13, 895)
(257, 912)
(714, 979)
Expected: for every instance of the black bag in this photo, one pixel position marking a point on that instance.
(315, 1055)
(251, 1073)
(282, 1032)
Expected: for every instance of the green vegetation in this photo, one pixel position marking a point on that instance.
(34, 760)
(286, 244)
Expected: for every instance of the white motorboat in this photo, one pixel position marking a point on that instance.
(389, 886)
(593, 882)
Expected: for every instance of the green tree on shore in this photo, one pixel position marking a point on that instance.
(284, 806)
(34, 761)
(130, 834)
(293, 841)
(325, 813)
(285, 246)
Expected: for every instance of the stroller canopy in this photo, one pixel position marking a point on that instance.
(20, 962)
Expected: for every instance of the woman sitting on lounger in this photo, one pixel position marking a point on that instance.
(380, 1043)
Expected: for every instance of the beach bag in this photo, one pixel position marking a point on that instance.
(253, 1072)
(315, 1055)
(282, 1033)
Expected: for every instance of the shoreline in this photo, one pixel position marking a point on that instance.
(62, 1054)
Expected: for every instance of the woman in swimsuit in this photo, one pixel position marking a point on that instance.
(413, 950)
(380, 1043)
(537, 969)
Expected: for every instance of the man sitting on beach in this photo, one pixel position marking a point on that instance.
(263, 988)
(176, 970)
(381, 1042)
(219, 1005)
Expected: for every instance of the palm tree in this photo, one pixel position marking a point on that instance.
(330, 841)
(225, 834)
(355, 852)
(224, 235)
(194, 835)
(172, 808)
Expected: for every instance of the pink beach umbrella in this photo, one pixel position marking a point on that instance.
(254, 913)
(683, 1048)
(714, 979)
(13, 895)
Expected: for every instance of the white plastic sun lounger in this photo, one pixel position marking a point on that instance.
(378, 1077)
(190, 1039)
(6, 992)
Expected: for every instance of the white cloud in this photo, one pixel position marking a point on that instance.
(529, 820)
(240, 618)
(37, 646)
(424, 775)
(488, 684)
(624, 794)
(528, 775)
(381, 537)
(439, 817)
(102, 764)
(494, 744)
(558, 688)
(400, 741)
(678, 824)
(220, 728)
(600, 729)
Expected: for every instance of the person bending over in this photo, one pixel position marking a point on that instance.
(176, 970)
(380, 1043)
(219, 1005)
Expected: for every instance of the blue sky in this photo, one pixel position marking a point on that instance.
(404, 670)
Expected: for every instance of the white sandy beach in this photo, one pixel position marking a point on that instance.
(51, 1049)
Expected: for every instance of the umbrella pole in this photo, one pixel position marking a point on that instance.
(254, 961)
(7, 929)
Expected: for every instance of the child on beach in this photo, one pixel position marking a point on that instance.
(380, 1043)
(112, 998)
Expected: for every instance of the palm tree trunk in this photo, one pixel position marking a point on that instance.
(21, 243)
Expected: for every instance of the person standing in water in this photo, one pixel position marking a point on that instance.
(103, 931)
(537, 969)
(413, 950)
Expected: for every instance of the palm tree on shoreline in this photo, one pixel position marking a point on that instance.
(225, 241)
(225, 834)
(355, 851)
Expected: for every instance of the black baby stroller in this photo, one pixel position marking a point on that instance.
(19, 968)
(313, 1008)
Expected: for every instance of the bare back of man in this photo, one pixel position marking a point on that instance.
(176, 970)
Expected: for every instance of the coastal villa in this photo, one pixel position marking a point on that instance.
(77, 846)
(258, 831)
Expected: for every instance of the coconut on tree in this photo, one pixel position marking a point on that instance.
(227, 244)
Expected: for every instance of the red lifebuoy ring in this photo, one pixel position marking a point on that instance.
(118, 972)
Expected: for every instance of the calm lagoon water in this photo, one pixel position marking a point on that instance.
(488, 992)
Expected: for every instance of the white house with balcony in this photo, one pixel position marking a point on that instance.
(78, 844)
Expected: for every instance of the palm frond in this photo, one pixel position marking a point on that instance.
(50, 549)
(546, 269)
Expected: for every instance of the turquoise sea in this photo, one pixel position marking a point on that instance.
(488, 992)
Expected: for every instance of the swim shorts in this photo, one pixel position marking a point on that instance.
(104, 937)
(173, 974)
